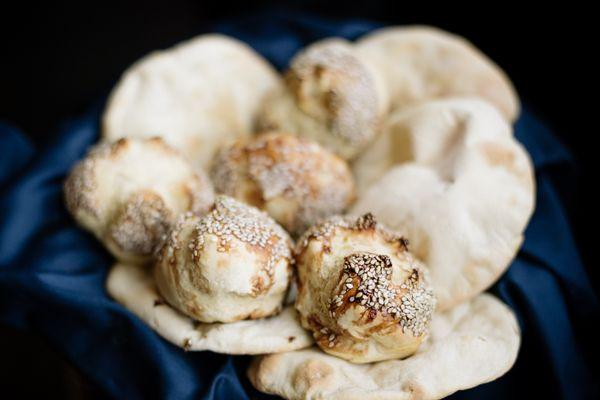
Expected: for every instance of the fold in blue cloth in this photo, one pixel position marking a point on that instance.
(52, 273)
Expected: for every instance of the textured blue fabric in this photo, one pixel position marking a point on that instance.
(52, 273)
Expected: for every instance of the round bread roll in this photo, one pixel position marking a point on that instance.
(360, 291)
(421, 63)
(231, 264)
(332, 96)
(129, 193)
(451, 177)
(195, 96)
(295, 180)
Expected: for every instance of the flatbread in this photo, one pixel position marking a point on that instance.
(449, 176)
(197, 95)
(473, 343)
(134, 288)
(421, 63)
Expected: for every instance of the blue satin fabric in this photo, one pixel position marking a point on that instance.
(52, 273)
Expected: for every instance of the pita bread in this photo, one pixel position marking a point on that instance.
(420, 63)
(134, 288)
(450, 177)
(196, 96)
(473, 343)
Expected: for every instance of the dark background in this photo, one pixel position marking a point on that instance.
(56, 60)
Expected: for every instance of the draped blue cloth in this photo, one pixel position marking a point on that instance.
(52, 273)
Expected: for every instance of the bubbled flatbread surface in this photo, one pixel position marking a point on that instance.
(474, 343)
(450, 177)
(133, 287)
(420, 63)
(196, 95)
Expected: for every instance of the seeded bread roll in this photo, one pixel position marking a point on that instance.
(231, 264)
(130, 192)
(360, 291)
(295, 180)
(332, 96)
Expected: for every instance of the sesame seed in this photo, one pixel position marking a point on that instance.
(410, 303)
(231, 221)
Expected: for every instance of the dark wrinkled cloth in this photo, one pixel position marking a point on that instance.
(52, 273)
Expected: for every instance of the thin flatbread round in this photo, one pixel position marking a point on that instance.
(449, 176)
(196, 96)
(474, 343)
(133, 287)
(420, 63)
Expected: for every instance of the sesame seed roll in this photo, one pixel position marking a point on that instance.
(360, 291)
(233, 263)
(128, 193)
(295, 180)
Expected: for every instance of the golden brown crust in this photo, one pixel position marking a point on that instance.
(366, 281)
(229, 220)
(129, 192)
(141, 225)
(360, 291)
(231, 263)
(366, 223)
(332, 95)
(78, 188)
(293, 179)
(332, 85)
(120, 146)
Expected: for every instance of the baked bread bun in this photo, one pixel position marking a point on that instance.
(452, 178)
(129, 193)
(294, 180)
(332, 96)
(360, 291)
(420, 63)
(196, 96)
(231, 264)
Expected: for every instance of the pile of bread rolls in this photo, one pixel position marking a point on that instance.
(360, 203)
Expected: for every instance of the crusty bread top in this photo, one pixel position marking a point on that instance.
(129, 192)
(295, 180)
